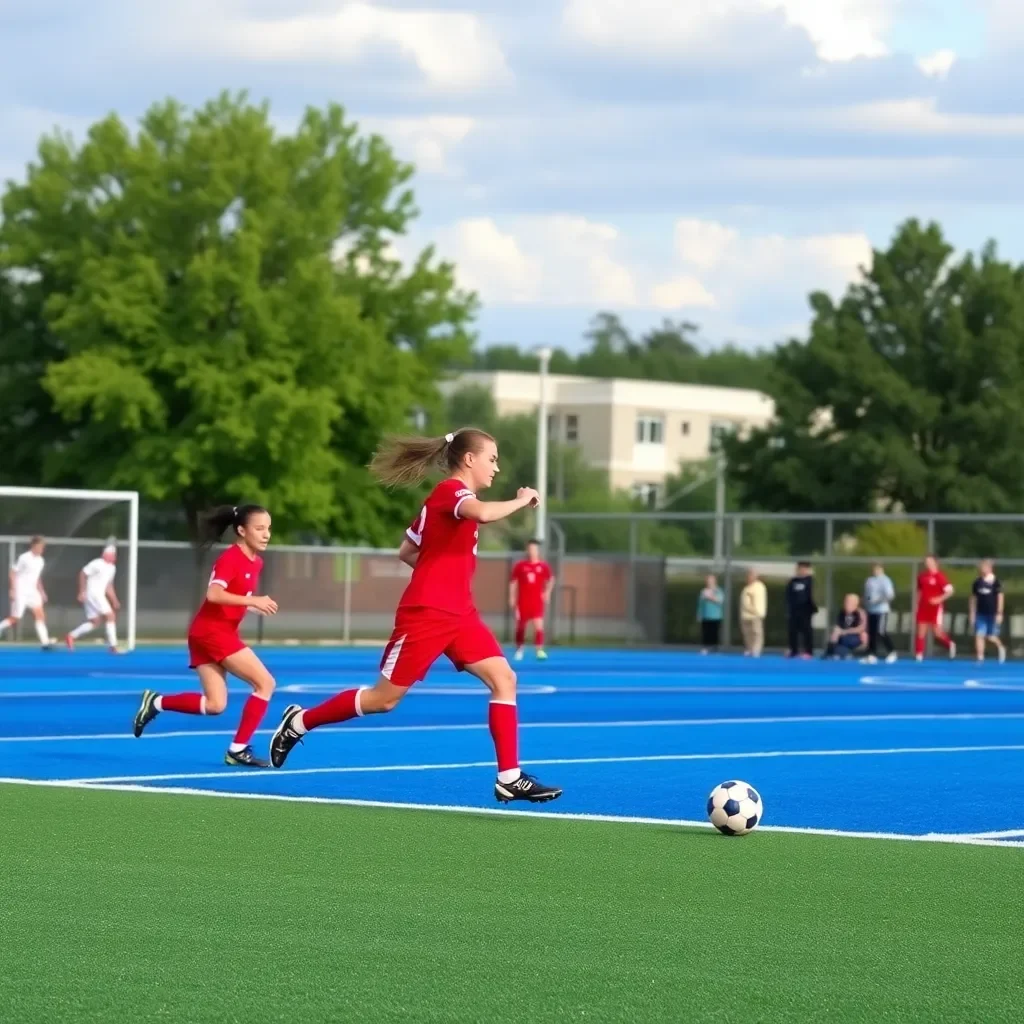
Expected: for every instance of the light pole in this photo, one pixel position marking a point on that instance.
(544, 355)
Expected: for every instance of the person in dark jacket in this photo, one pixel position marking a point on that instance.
(800, 609)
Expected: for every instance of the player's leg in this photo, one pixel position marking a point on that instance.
(84, 629)
(247, 666)
(942, 638)
(980, 635)
(16, 611)
(520, 634)
(920, 635)
(39, 621)
(538, 636)
(212, 701)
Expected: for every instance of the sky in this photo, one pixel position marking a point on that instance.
(703, 160)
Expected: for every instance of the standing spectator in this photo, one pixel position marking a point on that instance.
(800, 610)
(710, 606)
(879, 593)
(986, 610)
(850, 633)
(933, 590)
(753, 610)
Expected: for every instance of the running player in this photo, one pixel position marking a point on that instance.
(97, 596)
(27, 592)
(529, 592)
(214, 646)
(436, 614)
(933, 590)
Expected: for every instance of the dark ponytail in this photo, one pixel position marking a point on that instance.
(213, 523)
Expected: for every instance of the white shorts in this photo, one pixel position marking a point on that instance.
(96, 605)
(23, 601)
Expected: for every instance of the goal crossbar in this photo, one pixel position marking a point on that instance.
(132, 499)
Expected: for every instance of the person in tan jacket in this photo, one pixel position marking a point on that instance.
(753, 609)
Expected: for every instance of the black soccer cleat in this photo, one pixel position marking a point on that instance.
(526, 787)
(285, 737)
(245, 759)
(147, 711)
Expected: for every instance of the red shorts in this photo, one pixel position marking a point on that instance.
(529, 612)
(929, 615)
(422, 635)
(213, 648)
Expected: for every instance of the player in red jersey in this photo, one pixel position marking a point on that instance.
(436, 614)
(933, 589)
(214, 646)
(529, 592)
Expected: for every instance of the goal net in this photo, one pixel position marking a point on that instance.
(76, 526)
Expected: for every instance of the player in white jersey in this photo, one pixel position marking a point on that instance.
(97, 595)
(27, 593)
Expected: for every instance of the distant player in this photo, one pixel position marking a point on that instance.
(436, 615)
(933, 590)
(529, 593)
(987, 604)
(214, 646)
(97, 596)
(27, 592)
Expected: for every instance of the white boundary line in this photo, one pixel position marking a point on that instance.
(963, 840)
(625, 759)
(643, 723)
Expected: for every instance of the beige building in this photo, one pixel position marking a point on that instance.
(637, 430)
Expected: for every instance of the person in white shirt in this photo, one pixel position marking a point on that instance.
(97, 595)
(26, 591)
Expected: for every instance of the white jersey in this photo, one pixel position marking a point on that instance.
(27, 570)
(99, 574)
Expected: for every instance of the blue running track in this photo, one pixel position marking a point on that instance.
(933, 749)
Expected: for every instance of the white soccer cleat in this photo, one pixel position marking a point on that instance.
(869, 660)
(1002, 655)
(918, 657)
(518, 656)
(891, 658)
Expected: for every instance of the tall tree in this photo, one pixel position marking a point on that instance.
(909, 393)
(213, 311)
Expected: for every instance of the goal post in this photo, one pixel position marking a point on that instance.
(74, 521)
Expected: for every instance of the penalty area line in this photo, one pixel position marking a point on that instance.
(568, 816)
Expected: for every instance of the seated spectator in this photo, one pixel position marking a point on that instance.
(850, 633)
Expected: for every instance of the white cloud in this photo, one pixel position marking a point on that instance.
(922, 117)
(429, 142)
(685, 292)
(839, 29)
(938, 64)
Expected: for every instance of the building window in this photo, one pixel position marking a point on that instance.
(646, 493)
(720, 429)
(650, 429)
(572, 428)
(686, 428)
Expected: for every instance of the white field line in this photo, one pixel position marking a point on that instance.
(643, 723)
(965, 840)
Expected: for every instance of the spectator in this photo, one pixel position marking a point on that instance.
(850, 633)
(800, 610)
(879, 593)
(753, 610)
(710, 606)
(986, 610)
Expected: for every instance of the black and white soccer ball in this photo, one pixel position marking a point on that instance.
(735, 808)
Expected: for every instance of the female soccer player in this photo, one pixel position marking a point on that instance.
(436, 614)
(529, 591)
(214, 646)
(97, 596)
(27, 593)
(933, 590)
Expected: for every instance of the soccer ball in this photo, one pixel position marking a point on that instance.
(735, 808)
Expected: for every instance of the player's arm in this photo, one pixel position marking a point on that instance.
(494, 511)
(972, 608)
(513, 592)
(549, 587)
(947, 592)
(1000, 604)
(408, 552)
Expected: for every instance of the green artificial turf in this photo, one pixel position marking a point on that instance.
(125, 907)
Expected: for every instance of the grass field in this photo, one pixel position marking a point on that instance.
(144, 881)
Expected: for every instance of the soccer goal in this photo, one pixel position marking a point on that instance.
(76, 526)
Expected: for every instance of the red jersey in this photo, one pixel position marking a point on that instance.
(443, 575)
(531, 579)
(929, 586)
(237, 575)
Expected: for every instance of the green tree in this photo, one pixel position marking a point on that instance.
(909, 393)
(209, 310)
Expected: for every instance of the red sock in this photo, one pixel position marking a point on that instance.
(252, 714)
(520, 633)
(503, 720)
(918, 643)
(538, 636)
(942, 638)
(339, 708)
(184, 703)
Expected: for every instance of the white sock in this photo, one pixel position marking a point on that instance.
(42, 633)
(234, 748)
(299, 725)
(111, 634)
(85, 627)
(159, 703)
(509, 775)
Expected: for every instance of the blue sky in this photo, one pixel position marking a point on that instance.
(709, 160)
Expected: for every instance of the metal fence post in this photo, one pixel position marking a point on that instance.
(346, 625)
(631, 582)
(829, 578)
(931, 538)
(727, 590)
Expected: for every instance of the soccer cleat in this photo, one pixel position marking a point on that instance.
(70, 641)
(542, 654)
(952, 650)
(891, 658)
(245, 759)
(918, 657)
(285, 737)
(115, 650)
(147, 711)
(526, 787)
(1002, 655)
(869, 660)
(519, 654)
